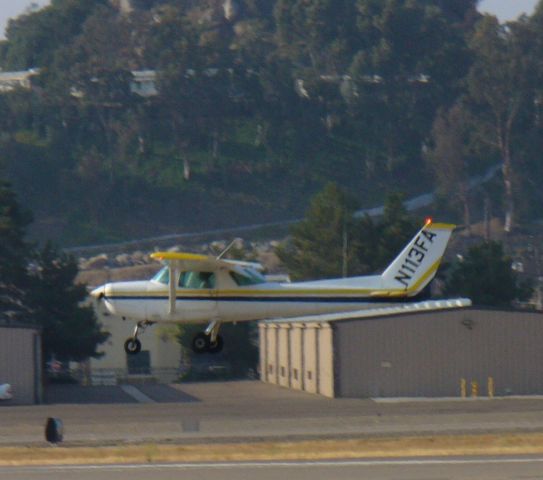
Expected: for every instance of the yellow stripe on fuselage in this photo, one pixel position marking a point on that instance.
(251, 293)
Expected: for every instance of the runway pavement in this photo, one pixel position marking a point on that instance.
(237, 411)
(461, 468)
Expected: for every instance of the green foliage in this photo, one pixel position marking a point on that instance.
(289, 93)
(48, 295)
(485, 276)
(14, 255)
(69, 330)
(451, 157)
(330, 242)
(316, 248)
(33, 39)
(502, 86)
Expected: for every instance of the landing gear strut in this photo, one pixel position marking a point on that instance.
(208, 341)
(132, 346)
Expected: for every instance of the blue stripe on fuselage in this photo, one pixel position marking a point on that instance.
(272, 299)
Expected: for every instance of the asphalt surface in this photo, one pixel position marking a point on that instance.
(248, 411)
(464, 468)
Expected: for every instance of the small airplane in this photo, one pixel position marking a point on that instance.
(194, 288)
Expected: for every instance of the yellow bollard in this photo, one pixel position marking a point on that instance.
(490, 387)
(463, 388)
(474, 389)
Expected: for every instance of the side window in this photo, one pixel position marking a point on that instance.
(196, 280)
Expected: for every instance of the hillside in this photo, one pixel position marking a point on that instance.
(253, 106)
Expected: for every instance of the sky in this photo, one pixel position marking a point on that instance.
(13, 8)
(503, 9)
(507, 9)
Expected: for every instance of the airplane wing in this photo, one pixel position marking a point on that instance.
(195, 261)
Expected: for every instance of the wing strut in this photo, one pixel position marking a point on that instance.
(172, 294)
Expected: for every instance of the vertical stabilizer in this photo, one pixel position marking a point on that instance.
(418, 262)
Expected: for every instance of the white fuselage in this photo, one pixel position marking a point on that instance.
(149, 300)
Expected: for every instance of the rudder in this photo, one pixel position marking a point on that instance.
(418, 262)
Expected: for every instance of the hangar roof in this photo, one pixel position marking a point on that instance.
(416, 307)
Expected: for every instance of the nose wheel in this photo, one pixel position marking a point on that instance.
(132, 345)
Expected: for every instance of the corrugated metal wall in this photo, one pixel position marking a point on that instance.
(20, 363)
(326, 360)
(297, 355)
(283, 352)
(428, 354)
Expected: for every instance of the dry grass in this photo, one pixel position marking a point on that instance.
(445, 445)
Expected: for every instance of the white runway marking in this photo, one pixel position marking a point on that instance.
(136, 394)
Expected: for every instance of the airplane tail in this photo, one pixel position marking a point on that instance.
(417, 264)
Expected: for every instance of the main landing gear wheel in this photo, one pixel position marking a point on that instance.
(200, 343)
(216, 347)
(132, 346)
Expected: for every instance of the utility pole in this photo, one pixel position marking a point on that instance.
(344, 251)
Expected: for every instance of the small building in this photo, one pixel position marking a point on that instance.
(427, 349)
(21, 79)
(144, 83)
(21, 362)
(160, 359)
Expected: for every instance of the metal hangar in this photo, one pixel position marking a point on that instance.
(444, 348)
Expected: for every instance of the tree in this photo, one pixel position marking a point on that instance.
(14, 255)
(412, 60)
(317, 35)
(486, 277)
(331, 242)
(392, 232)
(47, 296)
(33, 38)
(69, 330)
(450, 156)
(321, 244)
(93, 73)
(500, 84)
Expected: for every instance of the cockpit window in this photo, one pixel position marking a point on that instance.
(187, 279)
(197, 280)
(248, 277)
(162, 276)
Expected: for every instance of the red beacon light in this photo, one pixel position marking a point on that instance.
(428, 221)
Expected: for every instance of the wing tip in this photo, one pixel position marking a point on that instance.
(177, 256)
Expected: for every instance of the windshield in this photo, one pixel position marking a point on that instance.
(162, 276)
(247, 277)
